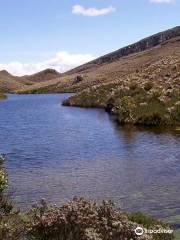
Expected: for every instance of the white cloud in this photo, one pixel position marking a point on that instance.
(162, 1)
(92, 12)
(62, 62)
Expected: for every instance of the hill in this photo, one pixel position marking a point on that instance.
(141, 88)
(10, 83)
(140, 46)
(43, 76)
(114, 65)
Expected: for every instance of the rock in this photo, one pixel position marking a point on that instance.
(144, 44)
(78, 79)
(2, 158)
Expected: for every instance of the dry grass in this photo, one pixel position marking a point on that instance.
(108, 72)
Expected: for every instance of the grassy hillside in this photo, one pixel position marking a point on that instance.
(147, 96)
(142, 88)
(98, 72)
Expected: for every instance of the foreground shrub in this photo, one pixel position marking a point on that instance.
(84, 220)
(11, 224)
(2, 96)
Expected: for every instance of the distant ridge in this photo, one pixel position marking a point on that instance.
(10, 83)
(140, 46)
(4, 73)
(43, 76)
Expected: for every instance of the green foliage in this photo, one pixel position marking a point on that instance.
(151, 119)
(12, 227)
(11, 224)
(175, 113)
(2, 96)
(132, 104)
(145, 221)
(3, 180)
(124, 107)
(150, 223)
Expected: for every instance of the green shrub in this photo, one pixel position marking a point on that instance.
(3, 180)
(151, 119)
(147, 222)
(2, 96)
(175, 114)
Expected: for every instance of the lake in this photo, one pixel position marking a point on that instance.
(58, 152)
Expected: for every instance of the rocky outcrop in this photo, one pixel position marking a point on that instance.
(142, 45)
(2, 158)
(78, 79)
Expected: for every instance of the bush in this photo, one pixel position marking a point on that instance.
(11, 223)
(147, 222)
(125, 109)
(151, 119)
(3, 180)
(175, 114)
(84, 220)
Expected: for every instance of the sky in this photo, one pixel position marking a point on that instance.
(62, 34)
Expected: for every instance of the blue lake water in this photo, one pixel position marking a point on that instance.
(58, 152)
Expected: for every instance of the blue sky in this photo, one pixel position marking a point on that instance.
(36, 34)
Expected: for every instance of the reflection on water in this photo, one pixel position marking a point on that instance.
(58, 152)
